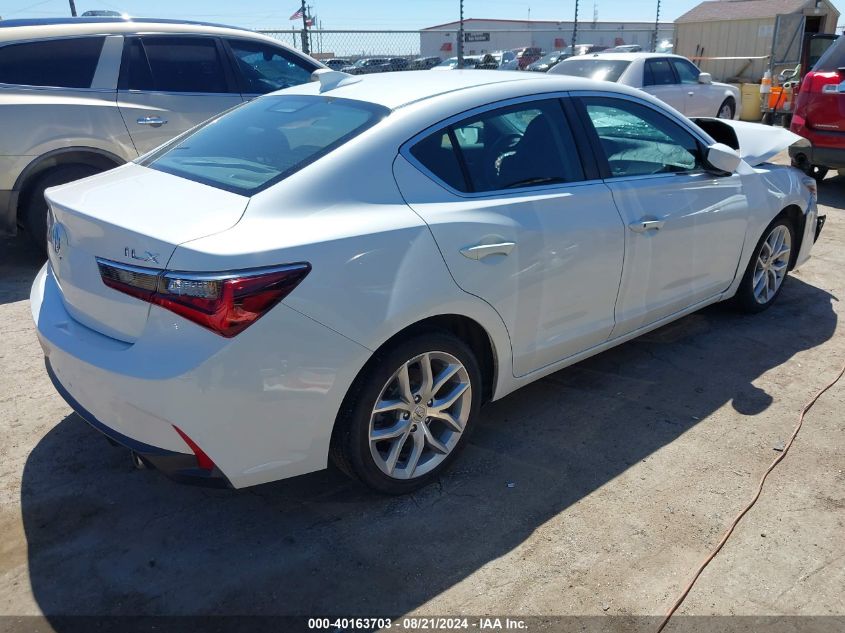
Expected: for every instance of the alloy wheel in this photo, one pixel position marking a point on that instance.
(725, 112)
(772, 263)
(420, 415)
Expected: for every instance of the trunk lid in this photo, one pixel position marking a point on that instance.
(131, 215)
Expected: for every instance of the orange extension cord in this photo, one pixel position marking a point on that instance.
(742, 512)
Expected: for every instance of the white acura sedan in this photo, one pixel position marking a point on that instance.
(671, 78)
(348, 269)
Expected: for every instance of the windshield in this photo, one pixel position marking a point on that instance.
(449, 62)
(260, 143)
(593, 68)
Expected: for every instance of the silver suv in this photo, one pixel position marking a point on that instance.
(82, 95)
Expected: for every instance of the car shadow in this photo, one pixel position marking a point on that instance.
(105, 539)
(20, 261)
(832, 192)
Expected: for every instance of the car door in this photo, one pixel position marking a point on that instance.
(526, 225)
(659, 79)
(699, 99)
(685, 225)
(262, 67)
(170, 83)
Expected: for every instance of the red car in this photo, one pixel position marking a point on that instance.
(527, 55)
(819, 115)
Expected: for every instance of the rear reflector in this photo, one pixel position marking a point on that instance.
(203, 460)
(225, 303)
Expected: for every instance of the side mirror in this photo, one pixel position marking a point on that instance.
(723, 158)
(705, 78)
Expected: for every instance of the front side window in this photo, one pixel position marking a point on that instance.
(265, 140)
(658, 72)
(686, 71)
(61, 63)
(639, 141)
(524, 145)
(264, 68)
(176, 64)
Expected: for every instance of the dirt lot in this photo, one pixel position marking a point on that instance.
(625, 469)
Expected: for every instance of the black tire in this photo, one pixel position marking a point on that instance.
(350, 445)
(729, 103)
(745, 299)
(34, 218)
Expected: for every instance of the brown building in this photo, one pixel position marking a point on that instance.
(750, 30)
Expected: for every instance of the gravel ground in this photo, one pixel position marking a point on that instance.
(626, 468)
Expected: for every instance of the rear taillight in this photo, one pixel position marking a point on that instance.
(824, 82)
(225, 303)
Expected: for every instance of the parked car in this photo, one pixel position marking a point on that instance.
(470, 62)
(548, 60)
(625, 48)
(664, 46)
(82, 95)
(231, 319)
(337, 63)
(819, 115)
(397, 63)
(368, 66)
(424, 63)
(671, 78)
(527, 55)
(498, 60)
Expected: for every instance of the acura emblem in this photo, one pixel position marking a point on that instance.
(57, 234)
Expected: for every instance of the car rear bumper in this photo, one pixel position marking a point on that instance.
(826, 149)
(261, 405)
(180, 467)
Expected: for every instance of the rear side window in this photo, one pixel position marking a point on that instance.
(658, 72)
(175, 64)
(437, 154)
(524, 145)
(62, 63)
(265, 140)
(833, 58)
(265, 68)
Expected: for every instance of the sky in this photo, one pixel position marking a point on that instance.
(355, 14)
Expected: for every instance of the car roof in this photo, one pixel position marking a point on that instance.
(397, 89)
(628, 56)
(47, 28)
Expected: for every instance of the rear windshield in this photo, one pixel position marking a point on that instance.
(833, 58)
(260, 143)
(593, 68)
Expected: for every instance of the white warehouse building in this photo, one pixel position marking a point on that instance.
(484, 36)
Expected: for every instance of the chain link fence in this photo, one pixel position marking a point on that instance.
(443, 43)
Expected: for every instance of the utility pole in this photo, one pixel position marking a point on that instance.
(72, 8)
(461, 38)
(656, 27)
(305, 48)
(575, 28)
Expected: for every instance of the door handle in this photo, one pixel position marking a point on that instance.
(646, 225)
(480, 251)
(155, 121)
(691, 93)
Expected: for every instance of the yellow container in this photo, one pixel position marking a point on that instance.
(751, 100)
